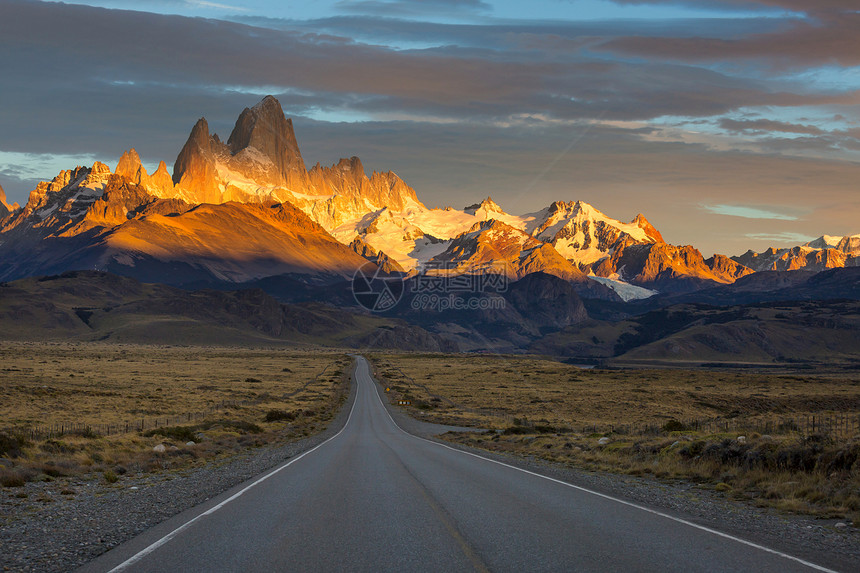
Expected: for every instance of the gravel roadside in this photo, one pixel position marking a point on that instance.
(67, 532)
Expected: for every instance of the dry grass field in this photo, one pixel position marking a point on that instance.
(72, 408)
(643, 422)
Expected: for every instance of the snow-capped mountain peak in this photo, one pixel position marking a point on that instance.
(583, 234)
(485, 209)
(825, 252)
(849, 244)
(261, 165)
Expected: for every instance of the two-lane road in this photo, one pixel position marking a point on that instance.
(374, 498)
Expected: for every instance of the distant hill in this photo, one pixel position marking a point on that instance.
(90, 305)
(267, 251)
(813, 332)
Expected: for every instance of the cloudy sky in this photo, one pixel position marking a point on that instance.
(731, 124)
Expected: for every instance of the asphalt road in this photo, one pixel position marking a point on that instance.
(374, 498)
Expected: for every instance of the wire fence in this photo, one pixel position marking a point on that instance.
(87, 429)
(835, 425)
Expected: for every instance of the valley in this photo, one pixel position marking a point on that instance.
(513, 400)
(439, 285)
(159, 327)
(243, 244)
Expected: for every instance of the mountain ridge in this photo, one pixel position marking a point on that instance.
(825, 252)
(95, 216)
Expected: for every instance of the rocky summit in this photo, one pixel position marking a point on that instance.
(825, 252)
(248, 208)
(6, 208)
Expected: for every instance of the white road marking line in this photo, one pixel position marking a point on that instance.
(146, 551)
(615, 499)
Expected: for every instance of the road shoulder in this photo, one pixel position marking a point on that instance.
(801, 536)
(69, 533)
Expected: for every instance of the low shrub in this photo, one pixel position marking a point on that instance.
(547, 429)
(189, 433)
(87, 432)
(10, 445)
(11, 479)
(243, 426)
(279, 415)
(57, 447)
(675, 426)
(52, 470)
(692, 449)
(518, 430)
(179, 433)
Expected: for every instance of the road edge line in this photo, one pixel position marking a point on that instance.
(612, 498)
(156, 544)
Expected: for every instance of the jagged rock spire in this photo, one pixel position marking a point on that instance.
(265, 128)
(5, 207)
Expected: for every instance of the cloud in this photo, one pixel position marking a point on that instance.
(460, 111)
(550, 37)
(766, 126)
(502, 75)
(802, 6)
(392, 8)
(784, 237)
(610, 167)
(204, 4)
(142, 87)
(747, 212)
(828, 40)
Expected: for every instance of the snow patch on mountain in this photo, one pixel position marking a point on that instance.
(848, 244)
(579, 232)
(626, 291)
(825, 241)
(586, 220)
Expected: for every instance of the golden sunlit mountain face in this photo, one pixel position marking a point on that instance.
(731, 125)
(248, 209)
(619, 233)
(238, 242)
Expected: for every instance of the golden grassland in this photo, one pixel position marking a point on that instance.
(221, 399)
(640, 422)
